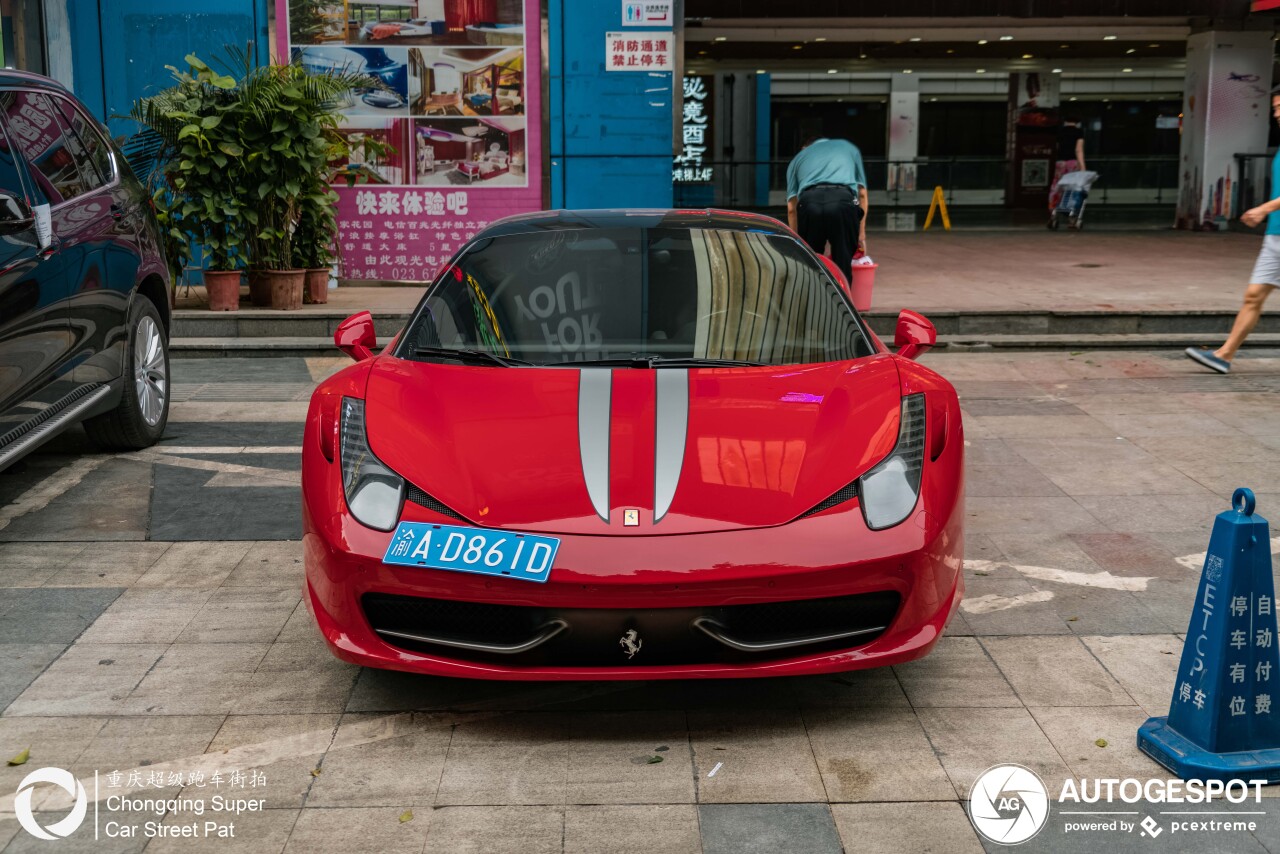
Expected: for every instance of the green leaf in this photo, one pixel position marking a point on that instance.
(230, 148)
(222, 81)
(195, 62)
(210, 122)
(407, 815)
(21, 758)
(654, 760)
(1102, 742)
(188, 130)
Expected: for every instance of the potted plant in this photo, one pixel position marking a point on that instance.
(313, 240)
(200, 206)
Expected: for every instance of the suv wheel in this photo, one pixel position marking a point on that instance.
(139, 419)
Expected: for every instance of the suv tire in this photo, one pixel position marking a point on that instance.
(139, 419)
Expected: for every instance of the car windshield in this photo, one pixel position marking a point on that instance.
(639, 296)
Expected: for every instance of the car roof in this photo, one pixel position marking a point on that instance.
(13, 77)
(560, 220)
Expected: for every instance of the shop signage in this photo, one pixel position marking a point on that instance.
(638, 51)
(695, 132)
(450, 140)
(659, 14)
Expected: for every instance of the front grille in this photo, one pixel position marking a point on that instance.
(593, 637)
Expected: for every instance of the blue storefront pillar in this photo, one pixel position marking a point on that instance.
(609, 132)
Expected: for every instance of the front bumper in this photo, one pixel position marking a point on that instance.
(647, 582)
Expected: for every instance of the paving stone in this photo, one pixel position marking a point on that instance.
(56, 741)
(1050, 671)
(88, 679)
(1157, 515)
(1031, 618)
(109, 503)
(507, 759)
(32, 564)
(184, 505)
(228, 432)
(195, 564)
(269, 564)
(289, 778)
(1135, 424)
(997, 515)
(876, 688)
(1034, 426)
(9, 828)
(51, 615)
(1089, 611)
(496, 830)
(957, 673)
(929, 828)
(765, 757)
(147, 616)
(255, 833)
(283, 369)
(242, 615)
(990, 452)
(968, 744)
(109, 565)
(1074, 733)
(872, 755)
(135, 741)
(610, 757)
(383, 761)
(358, 829)
(768, 828)
(79, 842)
(668, 828)
(996, 481)
(212, 412)
(1145, 665)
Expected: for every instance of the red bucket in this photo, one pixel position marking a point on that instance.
(861, 279)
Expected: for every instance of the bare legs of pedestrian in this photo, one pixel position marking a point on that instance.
(1245, 321)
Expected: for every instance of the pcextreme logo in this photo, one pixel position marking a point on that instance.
(1008, 804)
(26, 816)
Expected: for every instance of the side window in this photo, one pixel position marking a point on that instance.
(38, 134)
(10, 182)
(97, 150)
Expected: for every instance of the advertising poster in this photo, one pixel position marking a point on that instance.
(449, 141)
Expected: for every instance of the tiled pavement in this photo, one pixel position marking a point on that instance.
(150, 620)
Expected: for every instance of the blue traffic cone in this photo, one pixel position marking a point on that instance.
(1221, 725)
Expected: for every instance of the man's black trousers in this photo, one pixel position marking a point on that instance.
(830, 213)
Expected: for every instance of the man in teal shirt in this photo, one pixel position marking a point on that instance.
(827, 198)
(1266, 270)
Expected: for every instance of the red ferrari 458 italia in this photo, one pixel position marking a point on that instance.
(633, 445)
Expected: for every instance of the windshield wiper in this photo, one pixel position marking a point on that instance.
(651, 361)
(468, 355)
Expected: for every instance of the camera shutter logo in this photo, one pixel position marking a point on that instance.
(1008, 804)
(62, 779)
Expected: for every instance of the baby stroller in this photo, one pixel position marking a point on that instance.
(1074, 188)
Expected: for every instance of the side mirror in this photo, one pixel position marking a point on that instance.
(914, 334)
(837, 274)
(15, 213)
(355, 336)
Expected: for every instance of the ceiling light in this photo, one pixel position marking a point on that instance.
(933, 99)
(761, 71)
(914, 39)
(950, 50)
(1057, 71)
(1153, 45)
(981, 71)
(862, 56)
(831, 71)
(1063, 46)
(722, 38)
(1108, 38)
(820, 39)
(796, 46)
(1006, 38)
(906, 71)
(982, 41)
(702, 53)
(1073, 98)
(1127, 70)
(1026, 56)
(1131, 50)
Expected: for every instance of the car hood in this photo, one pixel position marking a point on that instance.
(565, 450)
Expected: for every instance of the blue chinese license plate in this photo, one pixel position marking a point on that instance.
(480, 550)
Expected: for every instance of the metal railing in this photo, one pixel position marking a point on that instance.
(1142, 180)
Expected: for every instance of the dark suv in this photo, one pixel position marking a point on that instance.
(84, 307)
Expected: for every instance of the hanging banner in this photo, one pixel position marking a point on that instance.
(451, 140)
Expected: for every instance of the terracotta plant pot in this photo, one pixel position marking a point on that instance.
(259, 288)
(286, 288)
(318, 285)
(223, 287)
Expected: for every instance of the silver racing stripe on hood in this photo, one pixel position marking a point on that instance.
(669, 438)
(594, 387)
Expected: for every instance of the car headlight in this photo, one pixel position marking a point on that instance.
(374, 492)
(890, 490)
